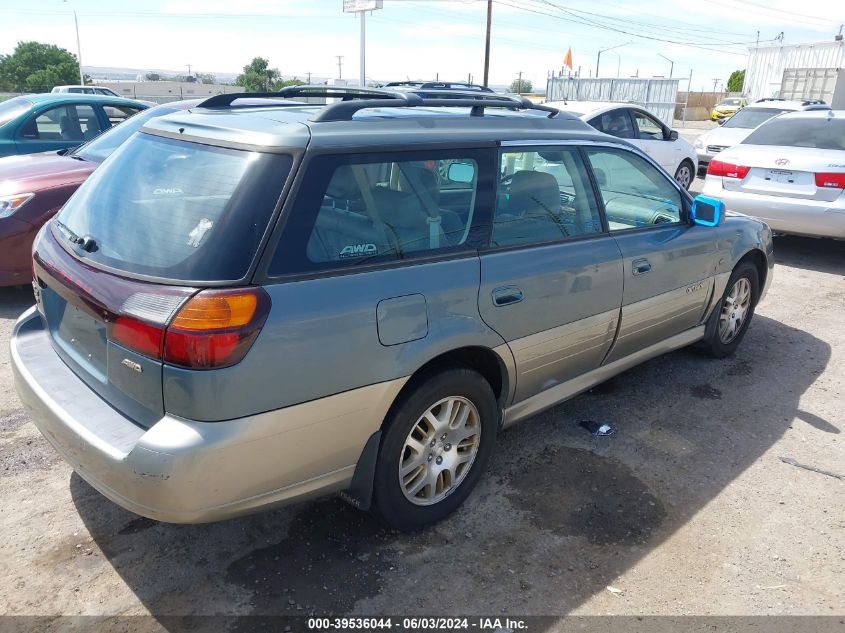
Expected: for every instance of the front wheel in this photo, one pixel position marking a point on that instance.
(730, 319)
(684, 174)
(435, 448)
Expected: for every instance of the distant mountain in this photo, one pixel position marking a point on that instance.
(131, 74)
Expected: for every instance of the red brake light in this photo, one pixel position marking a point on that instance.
(831, 180)
(140, 336)
(727, 170)
(216, 328)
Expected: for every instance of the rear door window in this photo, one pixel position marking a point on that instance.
(615, 122)
(363, 209)
(175, 210)
(76, 123)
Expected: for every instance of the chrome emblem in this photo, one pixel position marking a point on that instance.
(782, 161)
(131, 364)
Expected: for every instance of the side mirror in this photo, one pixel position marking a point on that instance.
(461, 172)
(673, 135)
(707, 211)
(722, 120)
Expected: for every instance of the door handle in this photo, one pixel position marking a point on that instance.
(507, 295)
(641, 266)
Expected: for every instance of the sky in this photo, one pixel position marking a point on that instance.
(421, 39)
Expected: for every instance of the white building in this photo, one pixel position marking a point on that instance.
(764, 75)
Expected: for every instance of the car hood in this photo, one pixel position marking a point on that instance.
(34, 172)
(726, 137)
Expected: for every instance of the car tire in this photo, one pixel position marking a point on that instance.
(727, 325)
(417, 452)
(685, 174)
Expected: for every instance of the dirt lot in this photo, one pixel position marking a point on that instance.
(687, 509)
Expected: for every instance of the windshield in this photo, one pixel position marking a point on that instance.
(175, 210)
(101, 147)
(749, 118)
(12, 108)
(729, 102)
(818, 133)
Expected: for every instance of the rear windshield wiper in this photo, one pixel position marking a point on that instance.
(87, 243)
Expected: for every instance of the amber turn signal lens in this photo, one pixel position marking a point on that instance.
(216, 312)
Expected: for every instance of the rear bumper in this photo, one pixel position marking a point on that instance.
(183, 471)
(783, 215)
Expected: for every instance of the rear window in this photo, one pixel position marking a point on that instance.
(175, 210)
(749, 118)
(817, 132)
(12, 108)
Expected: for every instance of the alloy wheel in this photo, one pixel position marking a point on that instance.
(440, 450)
(735, 310)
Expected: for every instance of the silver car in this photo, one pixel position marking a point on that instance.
(790, 173)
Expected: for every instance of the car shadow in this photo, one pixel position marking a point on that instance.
(823, 255)
(560, 514)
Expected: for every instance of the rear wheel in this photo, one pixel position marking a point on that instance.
(730, 319)
(436, 446)
(685, 174)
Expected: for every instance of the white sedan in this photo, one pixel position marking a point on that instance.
(641, 128)
(789, 172)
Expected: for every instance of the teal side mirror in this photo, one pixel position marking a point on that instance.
(707, 211)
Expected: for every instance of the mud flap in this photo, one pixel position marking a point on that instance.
(360, 492)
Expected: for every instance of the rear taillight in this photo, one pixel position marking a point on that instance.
(727, 170)
(831, 180)
(213, 329)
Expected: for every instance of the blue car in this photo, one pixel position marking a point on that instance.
(53, 122)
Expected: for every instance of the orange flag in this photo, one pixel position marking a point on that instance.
(567, 61)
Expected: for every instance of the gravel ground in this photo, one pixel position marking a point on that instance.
(687, 509)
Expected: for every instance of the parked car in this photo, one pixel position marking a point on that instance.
(51, 122)
(437, 85)
(641, 128)
(727, 107)
(34, 186)
(88, 90)
(247, 306)
(789, 172)
(733, 130)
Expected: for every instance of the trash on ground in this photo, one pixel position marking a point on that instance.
(792, 462)
(596, 428)
(614, 590)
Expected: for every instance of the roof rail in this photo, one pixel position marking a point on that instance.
(814, 102)
(354, 99)
(345, 110)
(335, 92)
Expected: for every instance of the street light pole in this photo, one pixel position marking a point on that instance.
(362, 81)
(671, 64)
(604, 50)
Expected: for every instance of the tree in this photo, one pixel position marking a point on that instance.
(736, 80)
(258, 76)
(206, 78)
(521, 85)
(290, 82)
(37, 67)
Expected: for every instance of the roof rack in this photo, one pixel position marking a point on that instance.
(354, 99)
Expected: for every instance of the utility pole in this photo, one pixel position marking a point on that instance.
(362, 79)
(78, 47)
(519, 84)
(309, 77)
(339, 66)
(487, 42)
(715, 81)
(189, 69)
